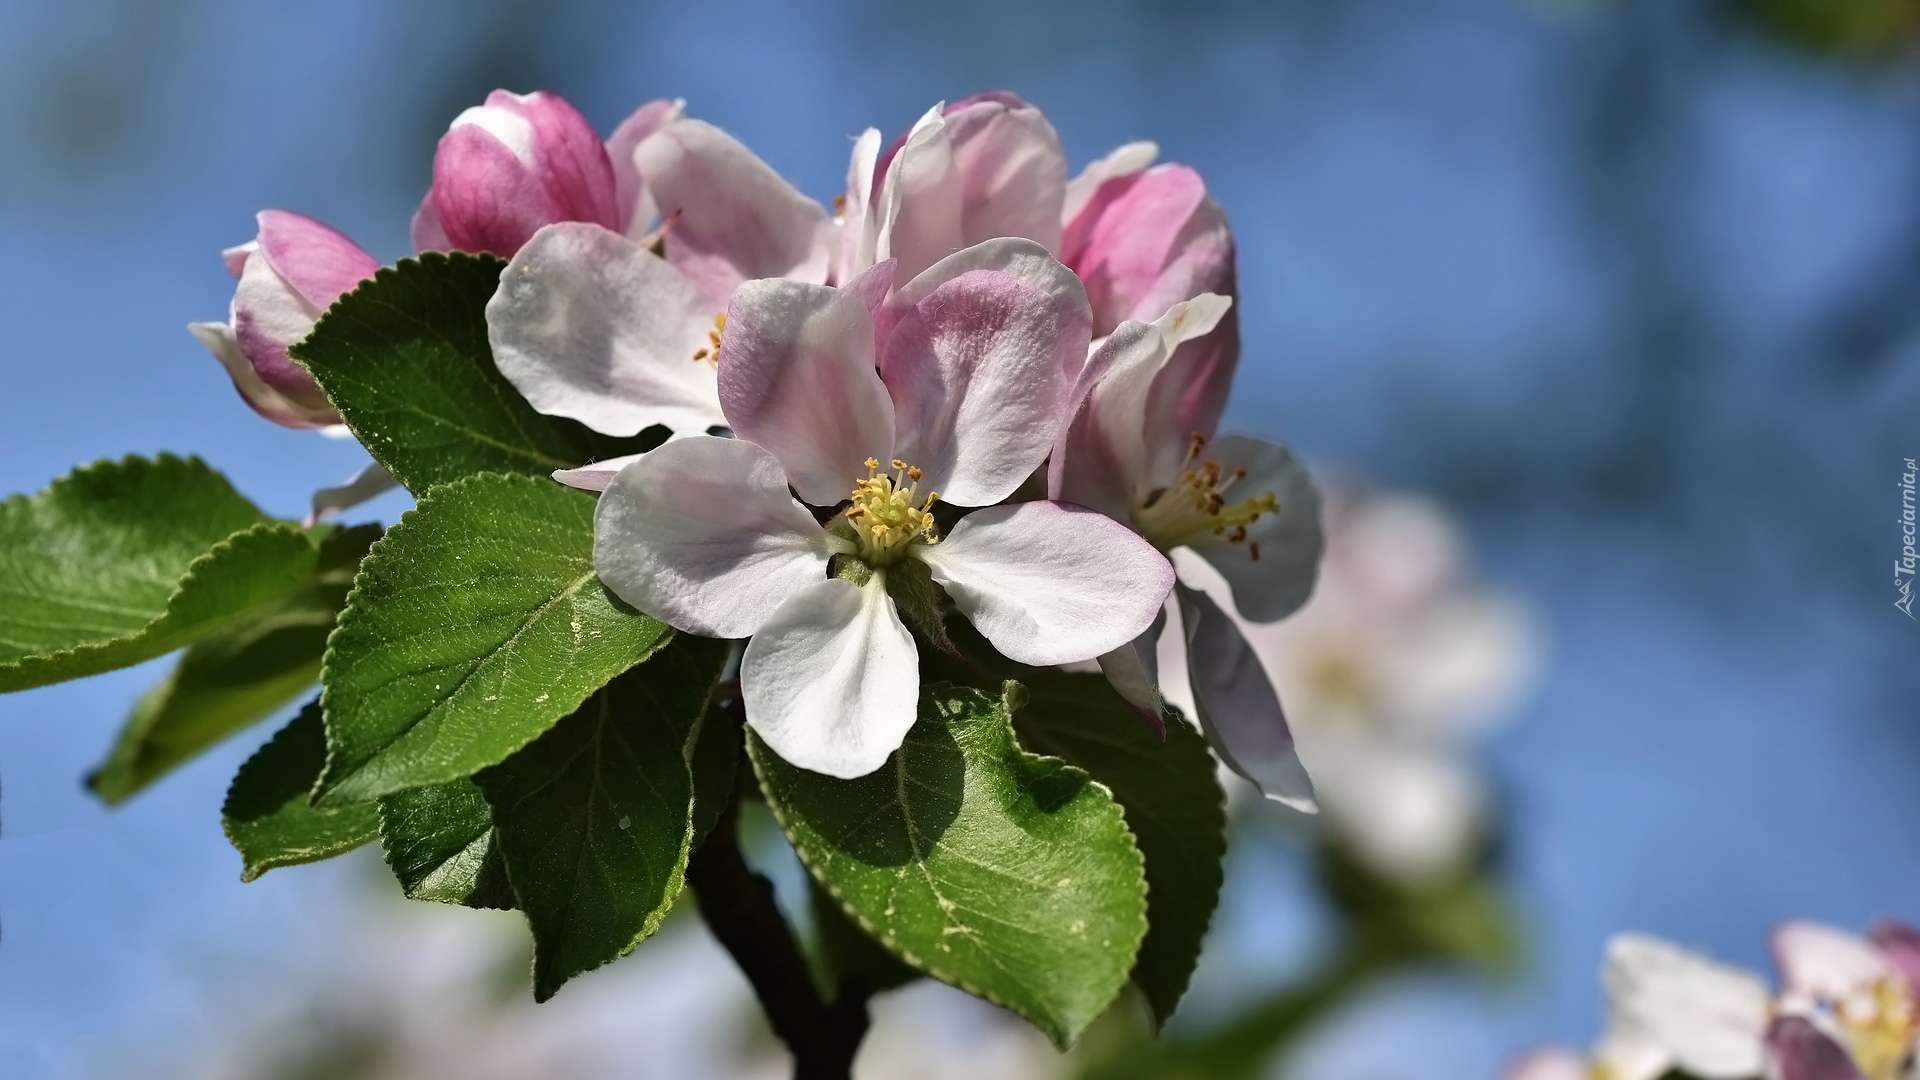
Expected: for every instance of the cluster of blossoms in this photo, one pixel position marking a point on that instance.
(1848, 1009)
(976, 382)
(1399, 661)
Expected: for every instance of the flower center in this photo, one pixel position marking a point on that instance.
(1881, 1034)
(1195, 505)
(712, 351)
(883, 518)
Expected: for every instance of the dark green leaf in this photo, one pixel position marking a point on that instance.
(595, 816)
(440, 843)
(1007, 874)
(405, 360)
(122, 561)
(713, 741)
(474, 625)
(235, 677)
(266, 815)
(1174, 806)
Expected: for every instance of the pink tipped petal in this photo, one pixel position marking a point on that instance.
(1710, 1017)
(268, 316)
(853, 251)
(1550, 1064)
(702, 535)
(1125, 237)
(1013, 173)
(1133, 669)
(831, 682)
(235, 257)
(1821, 962)
(426, 232)
(871, 287)
(738, 219)
(980, 375)
(261, 398)
(797, 377)
(917, 212)
(1237, 708)
(1290, 543)
(518, 162)
(369, 482)
(1051, 584)
(1901, 945)
(634, 203)
(1124, 161)
(595, 476)
(589, 325)
(1105, 462)
(318, 262)
(1802, 1051)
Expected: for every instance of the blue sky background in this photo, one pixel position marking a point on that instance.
(1632, 285)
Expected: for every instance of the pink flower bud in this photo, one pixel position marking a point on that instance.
(289, 274)
(506, 168)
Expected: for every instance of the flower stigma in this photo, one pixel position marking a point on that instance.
(884, 520)
(1195, 506)
(712, 351)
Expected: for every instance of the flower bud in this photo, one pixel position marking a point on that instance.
(506, 168)
(290, 273)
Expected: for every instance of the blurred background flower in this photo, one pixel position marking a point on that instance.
(1627, 284)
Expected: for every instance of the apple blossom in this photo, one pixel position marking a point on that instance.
(520, 161)
(1244, 505)
(1394, 663)
(594, 326)
(1847, 1010)
(953, 390)
(290, 272)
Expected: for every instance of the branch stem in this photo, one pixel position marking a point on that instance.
(737, 904)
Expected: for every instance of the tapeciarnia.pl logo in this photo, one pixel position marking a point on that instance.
(1904, 564)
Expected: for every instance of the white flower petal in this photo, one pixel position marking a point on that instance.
(591, 326)
(918, 217)
(1050, 584)
(1709, 1016)
(854, 251)
(797, 377)
(1125, 160)
(831, 682)
(1817, 961)
(739, 219)
(1103, 462)
(370, 481)
(1290, 542)
(702, 534)
(595, 476)
(1134, 670)
(1236, 705)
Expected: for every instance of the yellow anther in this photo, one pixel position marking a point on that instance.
(712, 350)
(883, 519)
(1195, 505)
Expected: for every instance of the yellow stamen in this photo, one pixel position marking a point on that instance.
(712, 351)
(883, 519)
(1195, 506)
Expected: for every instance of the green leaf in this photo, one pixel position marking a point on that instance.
(595, 817)
(266, 815)
(439, 841)
(235, 677)
(121, 561)
(1007, 874)
(842, 954)
(474, 625)
(404, 359)
(713, 742)
(1173, 803)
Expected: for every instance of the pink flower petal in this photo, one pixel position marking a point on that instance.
(1125, 160)
(917, 211)
(738, 219)
(1821, 962)
(797, 377)
(979, 369)
(518, 162)
(1048, 583)
(1802, 1051)
(597, 475)
(702, 534)
(316, 261)
(261, 398)
(1013, 173)
(268, 316)
(831, 682)
(635, 204)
